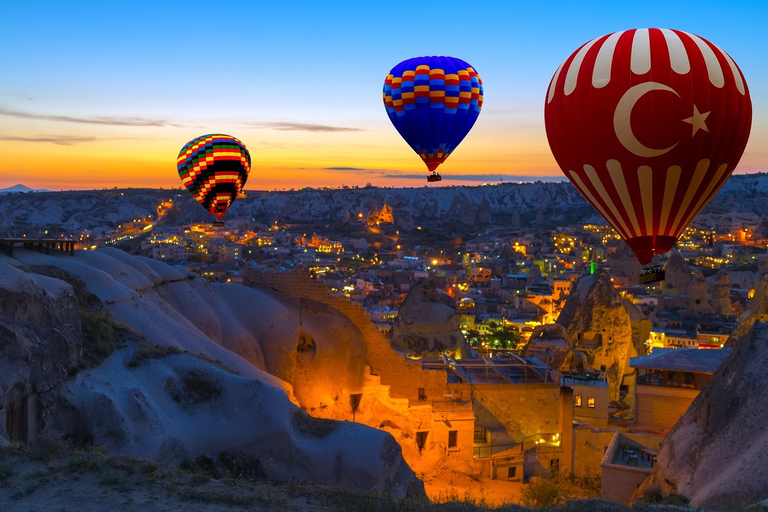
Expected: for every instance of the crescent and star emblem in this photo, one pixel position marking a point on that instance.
(623, 113)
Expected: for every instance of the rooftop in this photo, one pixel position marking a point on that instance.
(685, 360)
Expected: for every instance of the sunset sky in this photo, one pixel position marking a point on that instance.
(104, 94)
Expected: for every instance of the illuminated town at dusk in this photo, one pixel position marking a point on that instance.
(320, 257)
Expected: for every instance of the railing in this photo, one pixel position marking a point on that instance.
(539, 441)
(451, 406)
(487, 452)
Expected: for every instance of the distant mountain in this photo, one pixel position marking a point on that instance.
(21, 188)
(742, 200)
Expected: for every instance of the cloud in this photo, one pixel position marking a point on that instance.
(102, 120)
(61, 140)
(504, 178)
(344, 169)
(305, 127)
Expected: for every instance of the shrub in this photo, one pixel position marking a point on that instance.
(100, 336)
(546, 491)
(199, 386)
(317, 427)
(151, 352)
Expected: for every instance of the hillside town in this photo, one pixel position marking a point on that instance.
(496, 351)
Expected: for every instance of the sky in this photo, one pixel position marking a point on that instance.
(105, 94)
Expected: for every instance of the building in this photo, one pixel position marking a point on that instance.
(668, 380)
(590, 398)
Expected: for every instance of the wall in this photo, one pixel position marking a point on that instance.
(464, 425)
(403, 377)
(597, 416)
(619, 483)
(589, 447)
(524, 409)
(661, 407)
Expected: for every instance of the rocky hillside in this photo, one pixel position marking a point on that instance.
(600, 326)
(545, 204)
(428, 323)
(188, 377)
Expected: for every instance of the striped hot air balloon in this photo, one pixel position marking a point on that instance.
(433, 103)
(214, 168)
(648, 124)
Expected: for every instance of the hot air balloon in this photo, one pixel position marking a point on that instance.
(214, 168)
(433, 103)
(648, 124)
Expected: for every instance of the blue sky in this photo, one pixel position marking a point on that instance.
(107, 92)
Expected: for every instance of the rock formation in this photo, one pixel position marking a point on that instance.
(551, 345)
(757, 310)
(715, 453)
(40, 338)
(682, 281)
(599, 325)
(428, 323)
(623, 263)
(721, 289)
(188, 378)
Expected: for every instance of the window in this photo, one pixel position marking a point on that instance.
(453, 436)
(421, 439)
(577, 400)
(422, 395)
(511, 472)
(591, 402)
(480, 434)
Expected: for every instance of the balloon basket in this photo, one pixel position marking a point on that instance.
(218, 223)
(652, 274)
(434, 177)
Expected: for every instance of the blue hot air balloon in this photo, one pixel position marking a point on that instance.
(433, 103)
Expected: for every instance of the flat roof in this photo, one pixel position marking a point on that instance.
(682, 359)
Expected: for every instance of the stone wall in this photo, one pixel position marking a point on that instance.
(403, 377)
(524, 409)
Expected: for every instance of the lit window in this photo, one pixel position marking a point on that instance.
(577, 401)
(591, 402)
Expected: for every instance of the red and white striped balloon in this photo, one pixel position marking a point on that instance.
(648, 124)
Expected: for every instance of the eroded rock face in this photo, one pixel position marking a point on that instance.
(681, 280)
(623, 263)
(715, 453)
(600, 326)
(721, 288)
(428, 323)
(757, 310)
(180, 387)
(40, 333)
(178, 408)
(551, 345)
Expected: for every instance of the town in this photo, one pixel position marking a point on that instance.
(519, 348)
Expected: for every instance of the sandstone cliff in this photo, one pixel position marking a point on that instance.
(757, 310)
(428, 323)
(40, 335)
(682, 281)
(600, 326)
(715, 453)
(188, 379)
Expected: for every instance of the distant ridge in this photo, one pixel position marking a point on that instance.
(21, 188)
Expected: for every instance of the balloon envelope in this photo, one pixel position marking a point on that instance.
(648, 124)
(214, 168)
(433, 103)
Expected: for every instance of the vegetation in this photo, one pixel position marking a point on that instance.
(101, 336)
(317, 427)
(199, 386)
(151, 352)
(222, 482)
